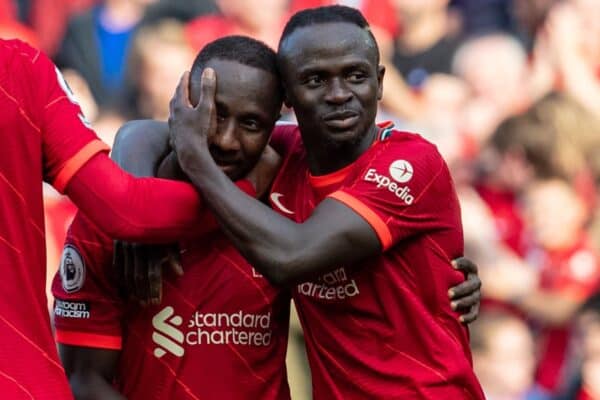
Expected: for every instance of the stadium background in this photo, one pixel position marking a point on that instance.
(509, 91)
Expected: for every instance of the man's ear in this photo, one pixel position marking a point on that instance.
(380, 75)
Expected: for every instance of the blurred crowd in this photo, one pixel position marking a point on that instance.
(509, 91)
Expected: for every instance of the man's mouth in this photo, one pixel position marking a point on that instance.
(341, 120)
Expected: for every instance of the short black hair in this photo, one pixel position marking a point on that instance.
(241, 49)
(324, 15)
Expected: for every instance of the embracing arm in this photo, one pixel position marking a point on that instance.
(90, 371)
(284, 251)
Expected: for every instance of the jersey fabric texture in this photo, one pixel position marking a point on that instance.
(44, 137)
(384, 329)
(219, 333)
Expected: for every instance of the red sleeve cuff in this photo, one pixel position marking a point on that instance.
(380, 228)
(86, 339)
(73, 164)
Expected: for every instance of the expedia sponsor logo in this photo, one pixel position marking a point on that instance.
(237, 328)
(334, 285)
(71, 309)
(401, 172)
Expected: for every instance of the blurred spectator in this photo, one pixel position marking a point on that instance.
(158, 53)
(424, 45)
(503, 357)
(180, 10)
(566, 54)
(589, 338)
(498, 83)
(568, 273)
(576, 148)
(41, 23)
(11, 29)
(442, 98)
(49, 19)
(530, 16)
(485, 16)
(516, 153)
(240, 17)
(379, 13)
(96, 46)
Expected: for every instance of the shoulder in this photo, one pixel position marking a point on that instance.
(141, 134)
(141, 130)
(141, 126)
(409, 145)
(16, 54)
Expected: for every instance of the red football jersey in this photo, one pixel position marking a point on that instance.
(44, 137)
(220, 332)
(573, 272)
(384, 329)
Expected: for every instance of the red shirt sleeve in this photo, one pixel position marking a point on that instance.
(88, 309)
(402, 189)
(140, 209)
(67, 140)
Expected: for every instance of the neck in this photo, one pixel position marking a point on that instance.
(327, 158)
(423, 31)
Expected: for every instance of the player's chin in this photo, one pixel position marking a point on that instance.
(235, 172)
(343, 137)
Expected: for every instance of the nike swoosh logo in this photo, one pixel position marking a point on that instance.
(275, 199)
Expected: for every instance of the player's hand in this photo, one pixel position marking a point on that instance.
(466, 296)
(140, 269)
(189, 126)
(264, 171)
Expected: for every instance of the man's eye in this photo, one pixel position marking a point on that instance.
(220, 118)
(251, 125)
(356, 77)
(314, 80)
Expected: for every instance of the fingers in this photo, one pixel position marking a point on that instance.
(466, 302)
(465, 265)
(208, 87)
(173, 261)
(206, 106)
(472, 284)
(154, 283)
(470, 316)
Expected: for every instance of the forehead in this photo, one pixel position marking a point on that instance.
(328, 42)
(241, 86)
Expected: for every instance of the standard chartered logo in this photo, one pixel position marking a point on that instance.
(167, 336)
(335, 285)
(237, 328)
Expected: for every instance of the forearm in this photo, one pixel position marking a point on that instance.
(267, 246)
(91, 386)
(126, 208)
(549, 308)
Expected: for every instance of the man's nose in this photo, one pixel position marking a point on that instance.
(226, 138)
(338, 92)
